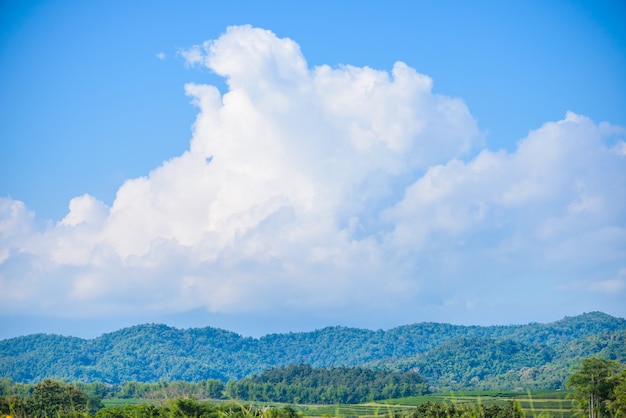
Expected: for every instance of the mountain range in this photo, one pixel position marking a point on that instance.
(512, 357)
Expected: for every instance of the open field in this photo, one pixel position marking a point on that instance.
(132, 401)
(535, 404)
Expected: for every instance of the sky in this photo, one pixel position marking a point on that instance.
(281, 166)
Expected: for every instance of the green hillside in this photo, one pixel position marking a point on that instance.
(448, 356)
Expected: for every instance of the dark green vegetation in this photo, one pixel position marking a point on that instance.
(337, 385)
(600, 386)
(48, 399)
(450, 357)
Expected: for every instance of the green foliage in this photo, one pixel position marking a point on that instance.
(617, 402)
(13, 405)
(520, 357)
(213, 389)
(337, 385)
(182, 408)
(594, 381)
(95, 392)
(466, 362)
(50, 399)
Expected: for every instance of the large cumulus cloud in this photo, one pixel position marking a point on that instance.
(335, 189)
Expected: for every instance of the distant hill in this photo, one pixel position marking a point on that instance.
(448, 356)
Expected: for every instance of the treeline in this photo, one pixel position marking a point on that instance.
(50, 399)
(291, 384)
(205, 389)
(337, 385)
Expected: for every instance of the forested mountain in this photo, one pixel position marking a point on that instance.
(455, 356)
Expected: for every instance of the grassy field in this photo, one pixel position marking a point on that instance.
(132, 401)
(536, 404)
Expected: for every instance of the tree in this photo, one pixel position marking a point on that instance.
(214, 388)
(51, 399)
(617, 404)
(593, 383)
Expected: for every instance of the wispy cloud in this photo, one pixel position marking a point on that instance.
(337, 189)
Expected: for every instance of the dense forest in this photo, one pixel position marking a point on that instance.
(517, 357)
(336, 385)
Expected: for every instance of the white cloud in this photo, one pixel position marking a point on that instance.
(330, 190)
(85, 209)
(561, 180)
(161, 56)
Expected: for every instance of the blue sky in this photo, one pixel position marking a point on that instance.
(370, 165)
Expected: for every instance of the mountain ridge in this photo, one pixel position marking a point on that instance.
(596, 315)
(153, 352)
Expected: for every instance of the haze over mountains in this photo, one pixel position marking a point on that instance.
(511, 357)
